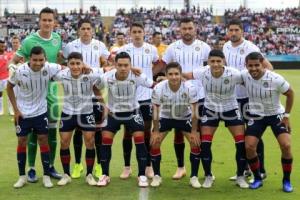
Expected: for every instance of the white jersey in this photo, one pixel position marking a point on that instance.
(91, 53)
(220, 92)
(78, 92)
(174, 105)
(190, 57)
(143, 58)
(33, 88)
(236, 57)
(122, 95)
(264, 94)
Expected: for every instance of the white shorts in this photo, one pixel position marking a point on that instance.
(3, 85)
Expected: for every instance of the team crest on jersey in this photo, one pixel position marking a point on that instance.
(54, 42)
(226, 81)
(266, 84)
(45, 73)
(85, 79)
(132, 82)
(242, 51)
(197, 49)
(18, 129)
(95, 48)
(147, 51)
(184, 95)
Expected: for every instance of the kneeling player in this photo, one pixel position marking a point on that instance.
(123, 108)
(264, 88)
(77, 113)
(30, 108)
(174, 106)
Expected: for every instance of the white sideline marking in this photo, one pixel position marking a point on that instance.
(144, 194)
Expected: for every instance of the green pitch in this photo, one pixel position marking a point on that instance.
(223, 167)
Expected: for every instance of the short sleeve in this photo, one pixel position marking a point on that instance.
(142, 80)
(193, 97)
(198, 73)
(100, 82)
(237, 76)
(54, 69)
(282, 85)
(167, 56)
(156, 95)
(155, 55)
(105, 53)
(13, 79)
(66, 51)
(207, 49)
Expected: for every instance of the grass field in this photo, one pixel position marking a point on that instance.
(223, 168)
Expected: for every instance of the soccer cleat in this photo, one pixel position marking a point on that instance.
(64, 180)
(262, 175)
(126, 173)
(247, 173)
(98, 170)
(256, 184)
(149, 172)
(287, 186)
(143, 181)
(103, 181)
(194, 182)
(47, 182)
(241, 182)
(90, 180)
(180, 172)
(156, 181)
(208, 182)
(78, 168)
(21, 182)
(53, 173)
(31, 176)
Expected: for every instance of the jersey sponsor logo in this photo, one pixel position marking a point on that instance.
(45, 73)
(266, 84)
(138, 119)
(226, 81)
(18, 129)
(197, 48)
(54, 42)
(250, 122)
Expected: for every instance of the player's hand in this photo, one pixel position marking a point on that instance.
(195, 139)
(161, 78)
(155, 138)
(86, 69)
(286, 122)
(18, 115)
(136, 71)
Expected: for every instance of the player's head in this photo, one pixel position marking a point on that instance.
(123, 64)
(173, 73)
(37, 58)
(75, 63)
(219, 43)
(156, 38)
(137, 33)
(254, 64)
(15, 42)
(85, 30)
(187, 30)
(2, 46)
(235, 30)
(216, 61)
(47, 19)
(120, 38)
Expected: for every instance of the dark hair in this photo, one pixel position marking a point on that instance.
(37, 50)
(235, 22)
(255, 56)
(217, 53)
(85, 20)
(15, 37)
(120, 33)
(156, 33)
(47, 10)
(122, 54)
(173, 65)
(137, 24)
(186, 20)
(75, 55)
(2, 41)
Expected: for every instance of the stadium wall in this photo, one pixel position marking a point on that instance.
(285, 65)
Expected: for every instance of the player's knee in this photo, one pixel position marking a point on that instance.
(22, 141)
(90, 142)
(250, 148)
(64, 143)
(286, 147)
(43, 139)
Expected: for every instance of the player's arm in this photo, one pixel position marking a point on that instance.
(288, 107)
(188, 75)
(158, 66)
(16, 59)
(12, 97)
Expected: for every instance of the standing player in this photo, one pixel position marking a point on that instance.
(51, 43)
(30, 108)
(219, 82)
(175, 106)
(3, 72)
(264, 88)
(120, 42)
(144, 56)
(95, 55)
(77, 113)
(190, 53)
(123, 108)
(157, 42)
(236, 50)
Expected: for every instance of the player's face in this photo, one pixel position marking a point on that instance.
(15, 44)
(255, 68)
(235, 33)
(157, 40)
(86, 32)
(216, 64)
(123, 67)
(174, 76)
(75, 66)
(37, 62)
(137, 34)
(46, 22)
(2, 47)
(120, 40)
(187, 31)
